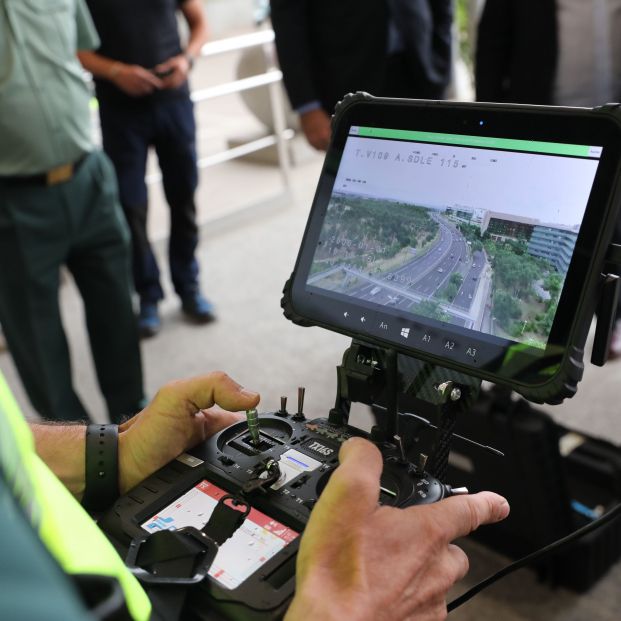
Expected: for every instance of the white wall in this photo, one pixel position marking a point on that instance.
(227, 17)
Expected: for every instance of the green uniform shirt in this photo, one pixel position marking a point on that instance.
(44, 101)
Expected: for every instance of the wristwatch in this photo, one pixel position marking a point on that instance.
(101, 467)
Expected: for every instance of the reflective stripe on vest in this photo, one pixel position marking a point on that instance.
(64, 527)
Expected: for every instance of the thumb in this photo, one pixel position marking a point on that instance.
(205, 391)
(355, 484)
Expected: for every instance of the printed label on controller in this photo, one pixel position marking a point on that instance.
(292, 463)
(321, 448)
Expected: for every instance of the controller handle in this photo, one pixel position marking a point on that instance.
(428, 489)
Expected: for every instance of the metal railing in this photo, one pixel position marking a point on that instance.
(271, 78)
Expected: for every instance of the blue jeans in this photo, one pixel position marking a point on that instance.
(128, 131)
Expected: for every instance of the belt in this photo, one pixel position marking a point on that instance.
(54, 176)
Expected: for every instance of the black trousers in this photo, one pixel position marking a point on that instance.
(129, 128)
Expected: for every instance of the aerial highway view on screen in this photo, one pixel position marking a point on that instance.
(496, 273)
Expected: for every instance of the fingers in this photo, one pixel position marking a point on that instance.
(460, 515)
(217, 420)
(139, 81)
(150, 78)
(316, 126)
(165, 66)
(459, 562)
(174, 71)
(355, 484)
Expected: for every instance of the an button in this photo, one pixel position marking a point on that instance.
(167, 477)
(459, 491)
(449, 345)
(427, 337)
(300, 481)
(471, 352)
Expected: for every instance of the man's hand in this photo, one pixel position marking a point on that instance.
(174, 71)
(360, 561)
(177, 419)
(316, 127)
(134, 80)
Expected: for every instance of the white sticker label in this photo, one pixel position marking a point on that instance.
(292, 463)
(189, 460)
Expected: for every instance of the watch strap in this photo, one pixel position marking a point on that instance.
(101, 467)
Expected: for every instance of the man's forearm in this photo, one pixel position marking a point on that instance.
(62, 447)
(100, 66)
(198, 38)
(197, 24)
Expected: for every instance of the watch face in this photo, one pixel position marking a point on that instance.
(463, 234)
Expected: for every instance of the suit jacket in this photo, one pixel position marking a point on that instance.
(517, 50)
(328, 48)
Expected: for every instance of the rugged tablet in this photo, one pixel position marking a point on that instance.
(468, 235)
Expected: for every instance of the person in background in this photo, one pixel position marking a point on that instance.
(392, 48)
(59, 206)
(552, 52)
(141, 75)
(575, 61)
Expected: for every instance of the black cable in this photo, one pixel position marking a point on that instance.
(555, 546)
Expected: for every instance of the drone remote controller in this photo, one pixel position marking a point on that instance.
(277, 464)
(289, 459)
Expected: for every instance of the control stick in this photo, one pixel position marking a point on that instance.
(252, 417)
(299, 415)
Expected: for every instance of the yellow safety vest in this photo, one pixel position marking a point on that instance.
(64, 527)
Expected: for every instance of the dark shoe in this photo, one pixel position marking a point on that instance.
(197, 308)
(149, 323)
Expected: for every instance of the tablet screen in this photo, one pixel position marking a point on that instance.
(469, 231)
(254, 543)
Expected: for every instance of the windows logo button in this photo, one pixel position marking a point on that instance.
(405, 333)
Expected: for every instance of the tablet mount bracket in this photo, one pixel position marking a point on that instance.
(385, 380)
